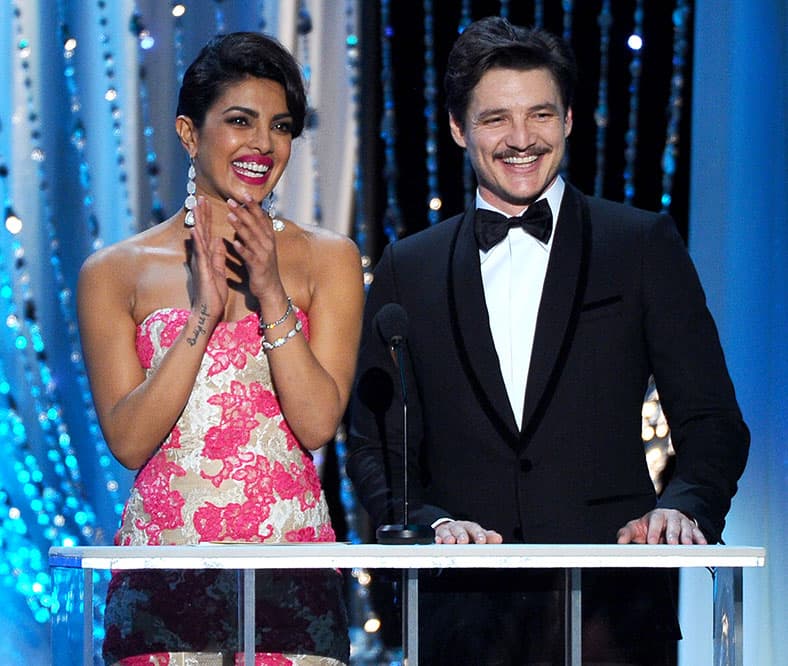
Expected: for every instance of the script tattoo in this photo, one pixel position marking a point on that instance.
(200, 328)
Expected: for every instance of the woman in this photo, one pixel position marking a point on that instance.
(221, 347)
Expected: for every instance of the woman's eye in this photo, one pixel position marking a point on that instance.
(238, 120)
(284, 127)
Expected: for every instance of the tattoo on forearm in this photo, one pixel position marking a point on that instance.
(200, 328)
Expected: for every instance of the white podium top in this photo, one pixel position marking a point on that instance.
(373, 556)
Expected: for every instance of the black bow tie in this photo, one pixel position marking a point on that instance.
(491, 228)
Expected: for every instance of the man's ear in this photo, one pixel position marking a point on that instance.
(187, 132)
(568, 123)
(457, 132)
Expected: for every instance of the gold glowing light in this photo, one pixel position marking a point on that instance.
(372, 625)
(649, 409)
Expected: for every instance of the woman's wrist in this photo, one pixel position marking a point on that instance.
(201, 323)
(268, 325)
(274, 310)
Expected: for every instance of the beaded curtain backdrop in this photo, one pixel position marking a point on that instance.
(88, 156)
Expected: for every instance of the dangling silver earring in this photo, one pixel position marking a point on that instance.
(270, 208)
(191, 199)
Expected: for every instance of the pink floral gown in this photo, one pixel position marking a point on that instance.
(230, 470)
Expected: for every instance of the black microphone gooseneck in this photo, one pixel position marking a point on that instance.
(392, 324)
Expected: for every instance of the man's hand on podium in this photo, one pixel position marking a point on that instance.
(464, 531)
(662, 526)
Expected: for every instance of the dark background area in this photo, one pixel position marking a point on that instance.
(406, 30)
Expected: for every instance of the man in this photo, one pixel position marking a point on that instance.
(528, 355)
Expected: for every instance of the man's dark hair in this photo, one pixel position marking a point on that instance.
(227, 59)
(493, 42)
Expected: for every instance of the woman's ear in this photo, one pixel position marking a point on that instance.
(187, 132)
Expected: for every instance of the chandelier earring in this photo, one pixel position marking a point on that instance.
(191, 200)
(270, 208)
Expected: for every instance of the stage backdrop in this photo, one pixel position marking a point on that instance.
(88, 156)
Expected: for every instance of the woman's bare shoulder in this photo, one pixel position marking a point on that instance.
(126, 255)
(327, 246)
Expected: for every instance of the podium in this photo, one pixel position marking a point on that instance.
(724, 562)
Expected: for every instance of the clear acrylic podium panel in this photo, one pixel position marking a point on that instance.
(81, 575)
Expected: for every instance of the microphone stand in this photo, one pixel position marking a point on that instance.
(405, 533)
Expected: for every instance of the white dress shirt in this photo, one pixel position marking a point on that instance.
(513, 274)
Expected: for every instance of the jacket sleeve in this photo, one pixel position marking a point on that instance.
(375, 439)
(708, 433)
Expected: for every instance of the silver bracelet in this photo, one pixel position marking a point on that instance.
(268, 346)
(263, 326)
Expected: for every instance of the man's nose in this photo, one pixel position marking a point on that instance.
(520, 135)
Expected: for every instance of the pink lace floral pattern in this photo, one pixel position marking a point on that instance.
(230, 470)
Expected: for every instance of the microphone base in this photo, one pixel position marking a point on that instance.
(405, 534)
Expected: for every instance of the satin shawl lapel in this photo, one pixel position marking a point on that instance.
(562, 297)
(471, 329)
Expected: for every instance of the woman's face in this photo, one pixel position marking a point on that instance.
(244, 143)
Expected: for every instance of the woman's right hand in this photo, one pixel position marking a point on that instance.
(207, 264)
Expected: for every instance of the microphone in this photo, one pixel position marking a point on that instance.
(391, 322)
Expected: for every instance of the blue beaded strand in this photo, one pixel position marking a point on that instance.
(601, 114)
(568, 7)
(631, 136)
(304, 29)
(116, 112)
(539, 13)
(177, 41)
(144, 42)
(468, 177)
(434, 202)
(392, 217)
(681, 16)
(78, 133)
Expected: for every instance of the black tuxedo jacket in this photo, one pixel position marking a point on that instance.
(621, 301)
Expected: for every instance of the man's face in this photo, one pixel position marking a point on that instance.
(515, 133)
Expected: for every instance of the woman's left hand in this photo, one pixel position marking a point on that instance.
(255, 244)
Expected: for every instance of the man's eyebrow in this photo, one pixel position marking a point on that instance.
(484, 113)
(542, 106)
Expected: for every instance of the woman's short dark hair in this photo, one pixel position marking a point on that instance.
(494, 42)
(227, 59)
